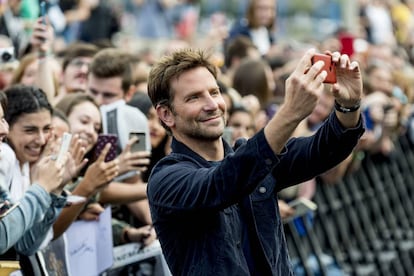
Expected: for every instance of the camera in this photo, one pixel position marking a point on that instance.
(6, 55)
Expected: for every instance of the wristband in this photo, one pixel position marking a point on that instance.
(350, 109)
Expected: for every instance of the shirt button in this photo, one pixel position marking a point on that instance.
(262, 190)
(268, 162)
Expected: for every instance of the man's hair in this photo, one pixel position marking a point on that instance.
(170, 67)
(111, 62)
(23, 100)
(78, 49)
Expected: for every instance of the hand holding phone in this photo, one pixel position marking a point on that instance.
(301, 207)
(103, 139)
(140, 144)
(329, 67)
(64, 146)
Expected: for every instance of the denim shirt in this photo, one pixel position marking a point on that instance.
(27, 225)
(197, 206)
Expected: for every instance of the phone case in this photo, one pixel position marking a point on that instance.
(329, 67)
(103, 139)
(140, 145)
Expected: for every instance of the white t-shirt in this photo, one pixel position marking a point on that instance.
(260, 38)
(17, 179)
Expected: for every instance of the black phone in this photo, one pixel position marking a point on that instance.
(103, 139)
(139, 145)
(43, 11)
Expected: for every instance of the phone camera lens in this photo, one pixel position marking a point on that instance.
(6, 57)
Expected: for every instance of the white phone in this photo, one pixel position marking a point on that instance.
(64, 146)
(139, 145)
(301, 207)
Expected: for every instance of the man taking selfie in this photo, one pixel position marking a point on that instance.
(214, 209)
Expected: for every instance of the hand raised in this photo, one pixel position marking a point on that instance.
(76, 160)
(348, 89)
(304, 85)
(48, 173)
(100, 173)
(129, 161)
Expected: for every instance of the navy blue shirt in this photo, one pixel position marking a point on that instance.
(197, 206)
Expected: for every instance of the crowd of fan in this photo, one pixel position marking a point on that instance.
(85, 54)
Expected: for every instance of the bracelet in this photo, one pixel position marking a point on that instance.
(344, 109)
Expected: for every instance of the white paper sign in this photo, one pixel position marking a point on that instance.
(90, 245)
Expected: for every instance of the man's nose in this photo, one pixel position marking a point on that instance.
(210, 103)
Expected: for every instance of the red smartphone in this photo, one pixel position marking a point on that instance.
(103, 139)
(329, 67)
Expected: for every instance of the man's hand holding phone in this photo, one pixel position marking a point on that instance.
(329, 66)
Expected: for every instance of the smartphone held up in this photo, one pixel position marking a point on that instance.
(43, 12)
(140, 144)
(104, 139)
(329, 66)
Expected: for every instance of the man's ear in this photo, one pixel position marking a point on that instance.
(165, 115)
(130, 93)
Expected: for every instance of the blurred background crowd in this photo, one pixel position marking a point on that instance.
(84, 54)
